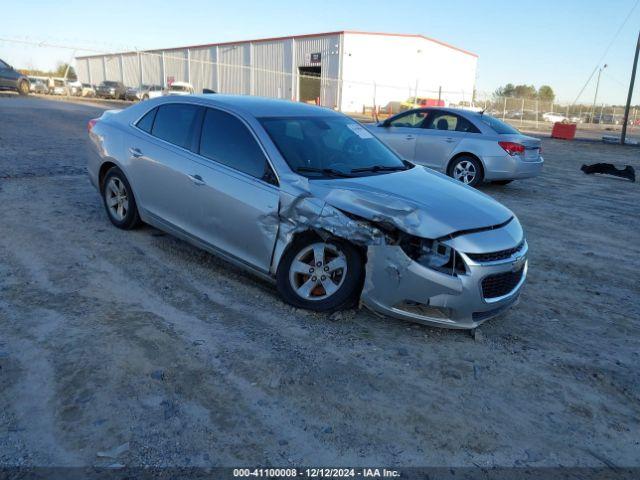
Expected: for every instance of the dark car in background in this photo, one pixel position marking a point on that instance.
(111, 89)
(11, 79)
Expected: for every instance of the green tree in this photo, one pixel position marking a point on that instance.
(506, 91)
(525, 91)
(61, 69)
(546, 93)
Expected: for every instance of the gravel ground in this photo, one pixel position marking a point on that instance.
(137, 340)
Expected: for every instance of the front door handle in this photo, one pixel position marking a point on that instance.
(135, 152)
(409, 137)
(197, 179)
(449, 140)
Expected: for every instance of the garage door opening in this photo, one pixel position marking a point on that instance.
(309, 84)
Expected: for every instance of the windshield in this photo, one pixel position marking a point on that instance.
(500, 127)
(330, 147)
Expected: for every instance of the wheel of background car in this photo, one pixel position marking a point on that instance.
(119, 201)
(320, 275)
(23, 87)
(502, 182)
(467, 170)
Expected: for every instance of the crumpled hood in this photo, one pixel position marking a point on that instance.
(417, 201)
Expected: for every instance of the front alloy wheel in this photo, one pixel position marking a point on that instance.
(318, 271)
(320, 275)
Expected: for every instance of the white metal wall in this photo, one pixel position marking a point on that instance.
(112, 68)
(202, 68)
(151, 68)
(234, 68)
(131, 69)
(82, 70)
(397, 65)
(269, 75)
(266, 68)
(176, 66)
(96, 69)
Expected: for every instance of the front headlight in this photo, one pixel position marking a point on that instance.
(433, 254)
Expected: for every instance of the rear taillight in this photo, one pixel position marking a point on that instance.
(512, 148)
(91, 124)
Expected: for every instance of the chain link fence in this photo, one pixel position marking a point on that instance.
(147, 74)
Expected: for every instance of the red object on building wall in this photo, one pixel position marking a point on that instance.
(564, 131)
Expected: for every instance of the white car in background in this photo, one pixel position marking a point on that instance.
(180, 88)
(554, 117)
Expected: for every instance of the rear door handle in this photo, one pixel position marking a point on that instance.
(409, 137)
(197, 179)
(449, 140)
(135, 152)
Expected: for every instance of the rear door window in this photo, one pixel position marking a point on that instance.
(450, 122)
(175, 123)
(227, 140)
(146, 122)
(409, 120)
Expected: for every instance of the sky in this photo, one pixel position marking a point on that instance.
(554, 42)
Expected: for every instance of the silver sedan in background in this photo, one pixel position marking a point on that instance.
(472, 147)
(310, 199)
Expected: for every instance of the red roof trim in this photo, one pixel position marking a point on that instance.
(308, 35)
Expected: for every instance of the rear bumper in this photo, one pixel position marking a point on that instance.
(506, 167)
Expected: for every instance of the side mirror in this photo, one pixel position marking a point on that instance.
(386, 123)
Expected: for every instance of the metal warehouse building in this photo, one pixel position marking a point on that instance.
(345, 70)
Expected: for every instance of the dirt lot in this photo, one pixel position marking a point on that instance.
(136, 339)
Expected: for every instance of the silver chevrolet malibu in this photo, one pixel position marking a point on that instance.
(311, 200)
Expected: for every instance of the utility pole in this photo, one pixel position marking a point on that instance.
(633, 79)
(595, 97)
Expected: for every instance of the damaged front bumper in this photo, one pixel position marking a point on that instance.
(401, 284)
(400, 287)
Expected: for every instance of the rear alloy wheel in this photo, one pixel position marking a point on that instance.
(23, 87)
(119, 201)
(320, 275)
(466, 170)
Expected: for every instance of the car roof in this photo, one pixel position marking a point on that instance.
(264, 107)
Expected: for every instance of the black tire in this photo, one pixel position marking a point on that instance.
(502, 182)
(347, 293)
(130, 218)
(23, 87)
(477, 166)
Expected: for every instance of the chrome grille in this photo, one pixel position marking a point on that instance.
(495, 256)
